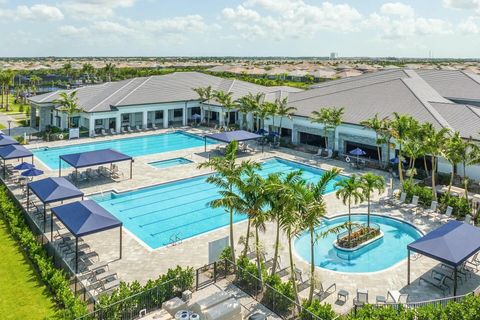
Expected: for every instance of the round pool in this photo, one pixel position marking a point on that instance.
(376, 256)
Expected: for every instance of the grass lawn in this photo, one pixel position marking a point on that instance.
(2, 127)
(22, 296)
(13, 108)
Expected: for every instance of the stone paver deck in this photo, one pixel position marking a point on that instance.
(141, 263)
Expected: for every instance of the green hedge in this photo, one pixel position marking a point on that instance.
(460, 205)
(322, 310)
(424, 193)
(54, 278)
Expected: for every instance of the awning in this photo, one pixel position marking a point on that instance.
(54, 189)
(452, 244)
(7, 140)
(14, 152)
(93, 158)
(229, 136)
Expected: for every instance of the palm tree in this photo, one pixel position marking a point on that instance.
(284, 111)
(452, 152)
(470, 155)
(68, 103)
(331, 118)
(228, 176)
(89, 70)
(400, 130)
(434, 143)
(375, 124)
(278, 186)
(369, 183)
(226, 103)
(67, 69)
(349, 192)
(312, 218)
(385, 137)
(249, 104)
(109, 70)
(205, 94)
(263, 112)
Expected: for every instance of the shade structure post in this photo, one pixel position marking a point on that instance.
(51, 226)
(59, 166)
(28, 199)
(33, 159)
(76, 255)
(120, 242)
(455, 271)
(408, 268)
(205, 140)
(4, 169)
(131, 169)
(44, 217)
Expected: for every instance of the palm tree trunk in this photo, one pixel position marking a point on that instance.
(333, 144)
(349, 223)
(312, 265)
(425, 165)
(257, 252)
(275, 255)
(209, 113)
(400, 173)
(245, 250)
(452, 176)
(292, 269)
(465, 181)
(368, 213)
(3, 97)
(378, 151)
(279, 131)
(434, 172)
(232, 242)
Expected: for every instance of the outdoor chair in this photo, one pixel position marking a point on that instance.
(129, 129)
(154, 127)
(138, 128)
(414, 204)
(103, 132)
(468, 219)
(321, 293)
(438, 280)
(319, 154)
(474, 262)
(113, 132)
(401, 201)
(447, 215)
(123, 130)
(432, 209)
(361, 299)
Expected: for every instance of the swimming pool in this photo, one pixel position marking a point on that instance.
(134, 146)
(163, 214)
(168, 163)
(376, 256)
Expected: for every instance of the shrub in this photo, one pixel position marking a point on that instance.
(54, 278)
(424, 193)
(278, 295)
(322, 310)
(460, 205)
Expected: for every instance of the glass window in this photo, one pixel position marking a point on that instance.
(312, 139)
(98, 122)
(158, 115)
(177, 113)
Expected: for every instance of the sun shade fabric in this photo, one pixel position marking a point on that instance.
(54, 189)
(229, 136)
(14, 152)
(86, 217)
(452, 243)
(92, 158)
(7, 140)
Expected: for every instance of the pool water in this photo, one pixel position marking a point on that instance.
(169, 163)
(134, 146)
(376, 256)
(166, 213)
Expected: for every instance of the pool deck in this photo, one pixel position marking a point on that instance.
(141, 263)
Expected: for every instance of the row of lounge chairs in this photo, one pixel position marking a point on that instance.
(127, 129)
(91, 174)
(416, 207)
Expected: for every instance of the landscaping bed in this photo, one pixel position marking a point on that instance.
(358, 237)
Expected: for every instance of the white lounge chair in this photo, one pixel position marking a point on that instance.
(448, 214)
(321, 293)
(129, 129)
(138, 128)
(468, 219)
(361, 299)
(154, 127)
(432, 209)
(401, 201)
(414, 204)
(103, 132)
(122, 130)
(112, 131)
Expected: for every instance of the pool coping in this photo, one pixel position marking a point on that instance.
(169, 159)
(187, 178)
(358, 273)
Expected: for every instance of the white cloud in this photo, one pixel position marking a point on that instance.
(462, 4)
(72, 31)
(37, 12)
(282, 19)
(399, 21)
(94, 9)
(397, 9)
(470, 26)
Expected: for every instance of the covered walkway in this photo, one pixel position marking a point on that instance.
(229, 136)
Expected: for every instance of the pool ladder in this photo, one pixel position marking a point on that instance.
(175, 239)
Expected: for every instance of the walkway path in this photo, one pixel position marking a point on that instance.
(15, 129)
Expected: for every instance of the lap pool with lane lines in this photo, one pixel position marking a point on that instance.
(133, 146)
(165, 213)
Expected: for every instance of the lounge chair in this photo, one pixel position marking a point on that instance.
(129, 129)
(447, 215)
(432, 209)
(361, 299)
(319, 154)
(401, 201)
(103, 132)
(321, 293)
(138, 128)
(388, 198)
(474, 261)
(113, 132)
(397, 297)
(154, 127)
(468, 219)
(414, 204)
(438, 280)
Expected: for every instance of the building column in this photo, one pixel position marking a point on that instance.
(202, 114)
(221, 118)
(91, 126)
(250, 121)
(33, 117)
(145, 120)
(184, 114)
(165, 118)
(118, 123)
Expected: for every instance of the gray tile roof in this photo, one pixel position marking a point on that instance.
(463, 118)
(453, 84)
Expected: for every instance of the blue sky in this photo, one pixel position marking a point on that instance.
(406, 28)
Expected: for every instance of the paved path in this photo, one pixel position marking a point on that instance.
(15, 129)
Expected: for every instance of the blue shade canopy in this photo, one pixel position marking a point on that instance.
(32, 173)
(452, 243)
(54, 189)
(24, 166)
(229, 136)
(7, 140)
(357, 152)
(92, 158)
(14, 152)
(86, 217)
